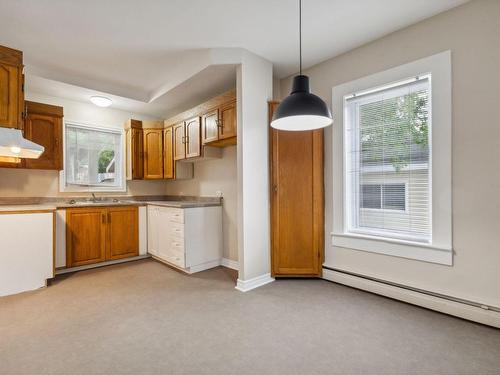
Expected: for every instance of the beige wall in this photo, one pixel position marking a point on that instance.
(472, 33)
(210, 177)
(37, 183)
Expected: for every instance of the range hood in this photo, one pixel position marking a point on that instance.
(14, 145)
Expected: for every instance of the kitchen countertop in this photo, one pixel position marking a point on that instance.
(63, 204)
(66, 204)
(183, 204)
(27, 208)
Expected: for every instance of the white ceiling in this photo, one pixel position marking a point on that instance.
(139, 49)
(213, 80)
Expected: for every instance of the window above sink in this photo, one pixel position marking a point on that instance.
(93, 159)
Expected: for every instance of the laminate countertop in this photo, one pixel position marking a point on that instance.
(26, 208)
(9, 208)
(183, 204)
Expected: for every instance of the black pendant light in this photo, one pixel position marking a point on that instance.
(301, 110)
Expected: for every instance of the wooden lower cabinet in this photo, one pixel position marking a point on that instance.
(123, 233)
(85, 236)
(297, 205)
(96, 235)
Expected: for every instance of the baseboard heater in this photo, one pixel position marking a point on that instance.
(344, 277)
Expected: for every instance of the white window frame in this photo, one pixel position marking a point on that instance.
(63, 187)
(439, 249)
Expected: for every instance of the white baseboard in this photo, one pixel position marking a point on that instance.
(461, 310)
(229, 263)
(203, 266)
(246, 285)
(60, 271)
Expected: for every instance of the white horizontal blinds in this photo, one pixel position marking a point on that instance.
(93, 157)
(388, 161)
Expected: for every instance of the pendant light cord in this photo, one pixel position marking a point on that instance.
(300, 37)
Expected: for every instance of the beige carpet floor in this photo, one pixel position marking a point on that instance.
(145, 318)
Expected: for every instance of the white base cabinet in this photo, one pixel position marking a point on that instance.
(187, 238)
(26, 251)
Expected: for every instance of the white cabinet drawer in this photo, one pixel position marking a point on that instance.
(176, 230)
(190, 239)
(176, 260)
(176, 215)
(177, 246)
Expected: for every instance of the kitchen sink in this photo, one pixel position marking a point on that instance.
(96, 202)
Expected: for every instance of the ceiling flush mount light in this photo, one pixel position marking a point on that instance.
(301, 110)
(101, 101)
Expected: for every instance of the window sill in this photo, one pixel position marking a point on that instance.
(393, 247)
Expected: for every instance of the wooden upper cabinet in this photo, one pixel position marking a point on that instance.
(218, 126)
(153, 154)
(122, 232)
(85, 236)
(168, 153)
(11, 88)
(193, 141)
(134, 149)
(43, 125)
(227, 126)
(179, 141)
(210, 126)
(137, 153)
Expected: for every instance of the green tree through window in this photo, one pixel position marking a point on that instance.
(105, 158)
(395, 130)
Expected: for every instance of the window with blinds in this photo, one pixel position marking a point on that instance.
(388, 161)
(93, 157)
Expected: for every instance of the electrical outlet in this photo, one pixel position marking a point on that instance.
(218, 193)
